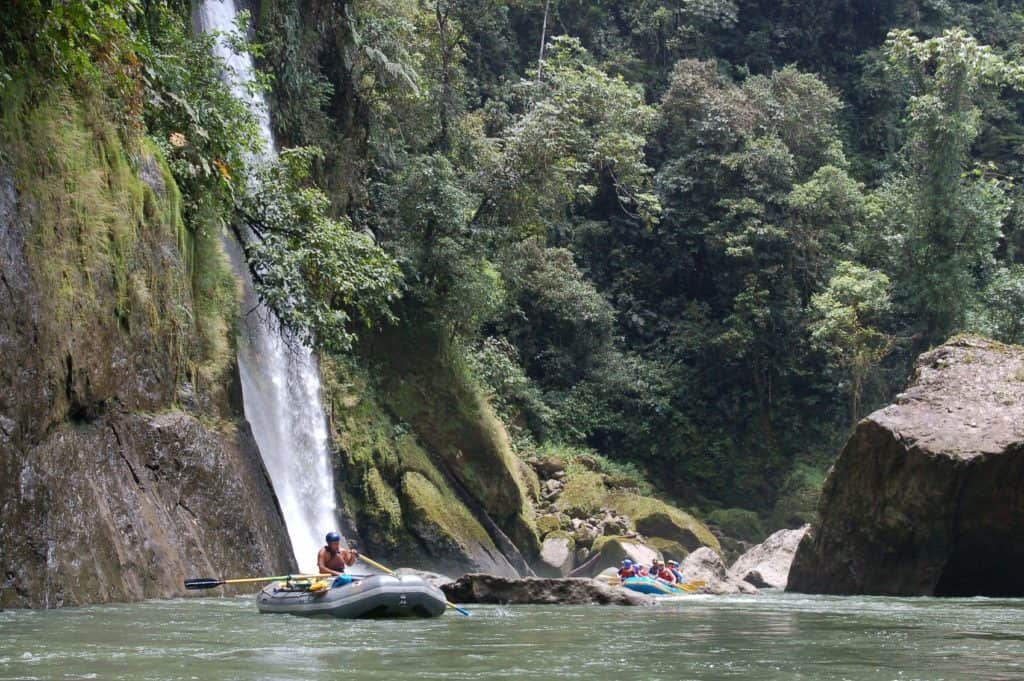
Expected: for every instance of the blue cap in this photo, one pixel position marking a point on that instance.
(333, 536)
(627, 561)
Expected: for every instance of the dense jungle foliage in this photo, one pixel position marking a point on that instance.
(698, 237)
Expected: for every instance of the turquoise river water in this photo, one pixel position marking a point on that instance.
(773, 636)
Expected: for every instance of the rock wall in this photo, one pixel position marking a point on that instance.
(927, 496)
(109, 488)
(407, 502)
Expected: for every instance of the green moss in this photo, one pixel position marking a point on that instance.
(670, 550)
(562, 534)
(654, 518)
(582, 460)
(103, 229)
(382, 509)
(440, 518)
(367, 438)
(546, 524)
(530, 480)
(424, 383)
(584, 495)
(215, 293)
(613, 549)
(600, 542)
(412, 457)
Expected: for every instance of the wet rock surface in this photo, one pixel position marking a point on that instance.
(481, 588)
(129, 507)
(927, 496)
(108, 491)
(767, 565)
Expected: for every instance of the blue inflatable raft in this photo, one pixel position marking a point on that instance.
(648, 585)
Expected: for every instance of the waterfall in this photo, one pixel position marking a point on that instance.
(280, 380)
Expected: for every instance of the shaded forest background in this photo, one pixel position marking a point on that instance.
(695, 238)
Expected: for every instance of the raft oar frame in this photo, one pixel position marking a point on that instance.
(213, 582)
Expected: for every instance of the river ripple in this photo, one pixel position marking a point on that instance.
(774, 636)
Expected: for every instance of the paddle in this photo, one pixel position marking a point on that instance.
(391, 572)
(211, 582)
(691, 586)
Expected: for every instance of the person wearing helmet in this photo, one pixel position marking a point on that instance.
(332, 559)
(673, 565)
(627, 569)
(662, 572)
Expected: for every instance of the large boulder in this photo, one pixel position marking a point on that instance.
(706, 566)
(549, 466)
(927, 496)
(556, 554)
(767, 565)
(582, 495)
(655, 518)
(481, 588)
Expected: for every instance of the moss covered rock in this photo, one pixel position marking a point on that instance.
(612, 550)
(655, 518)
(548, 523)
(382, 511)
(423, 382)
(452, 536)
(583, 495)
(671, 550)
(110, 309)
(530, 480)
(404, 508)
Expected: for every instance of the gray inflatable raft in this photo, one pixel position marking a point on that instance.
(376, 596)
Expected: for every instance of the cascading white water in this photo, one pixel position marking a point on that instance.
(280, 380)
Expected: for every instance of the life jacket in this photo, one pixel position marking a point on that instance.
(335, 562)
(627, 572)
(667, 575)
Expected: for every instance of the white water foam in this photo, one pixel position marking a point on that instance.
(280, 380)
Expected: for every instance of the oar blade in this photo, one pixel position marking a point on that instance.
(203, 583)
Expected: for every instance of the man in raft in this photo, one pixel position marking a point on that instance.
(332, 559)
(661, 571)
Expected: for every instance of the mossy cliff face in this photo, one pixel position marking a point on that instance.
(108, 489)
(426, 471)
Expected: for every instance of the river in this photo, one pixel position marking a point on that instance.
(774, 636)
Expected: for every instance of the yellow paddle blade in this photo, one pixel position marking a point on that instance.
(691, 586)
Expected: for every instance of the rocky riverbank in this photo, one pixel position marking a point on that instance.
(589, 520)
(765, 565)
